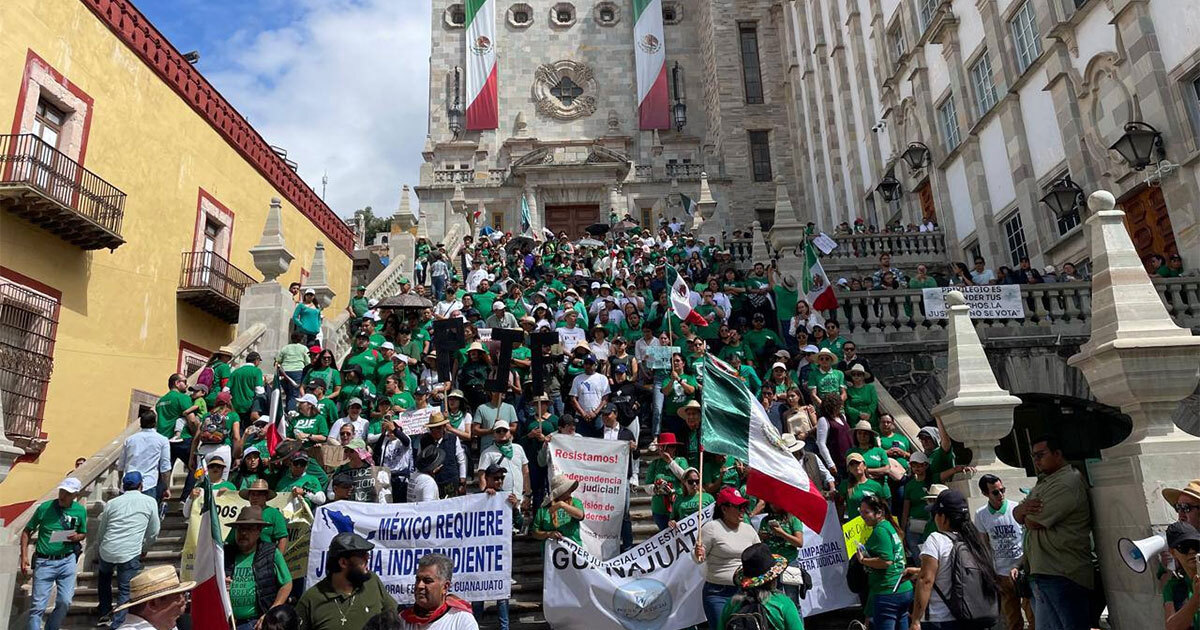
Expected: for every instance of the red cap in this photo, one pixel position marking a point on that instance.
(224, 398)
(667, 439)
(730, 495)
(314, 349)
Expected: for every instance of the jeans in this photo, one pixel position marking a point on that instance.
(439, 287)
(501, 612)
(247, 625)
(292, 392)
(180, 451)
(125, 572)
(47, 575)
(891, 611)
(715, 597)
(661, 521)
(1060, 604)
(556, 405)
(656, 423)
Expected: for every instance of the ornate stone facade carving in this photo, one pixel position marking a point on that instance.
(552, 74)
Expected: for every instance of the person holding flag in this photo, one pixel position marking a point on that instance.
(211, 606)
(250, 564)
(815, 285)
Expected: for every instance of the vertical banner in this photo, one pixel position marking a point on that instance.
(650, 57)
(483, 103)
(654, 586)
(474, 531)
(601, 467)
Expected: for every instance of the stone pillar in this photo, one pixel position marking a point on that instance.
(317, 280)
(535, 213)
(705, 222)
(402, 245)
(975, 410)
(268, 302)
(1138, 360)
(758, 245)
(788, 232)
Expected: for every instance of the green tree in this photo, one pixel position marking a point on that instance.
(372, 223)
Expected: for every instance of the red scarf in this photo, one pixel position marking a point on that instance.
(411, 615)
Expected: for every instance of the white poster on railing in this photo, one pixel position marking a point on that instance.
(1002, 301)
(824, 243)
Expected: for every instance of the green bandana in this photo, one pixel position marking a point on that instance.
(505, 449)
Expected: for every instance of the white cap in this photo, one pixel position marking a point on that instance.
(71, 484)
(918, 457)
(781, 366)
(263, 420)
(308, 291)
(308, 398)
(387, 345)
(501, 424)
(811, 349)
(499, 306)
(595, 285)
(372, 302)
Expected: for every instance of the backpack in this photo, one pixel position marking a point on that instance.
(212, 429)
(972, 597)
(206, 377)
(749, 614)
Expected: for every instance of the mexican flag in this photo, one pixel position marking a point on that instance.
(734, 423)
(650, 57)
(681, 302)
(689, 205)
(483, 109)
(815, 284)
(210, 599)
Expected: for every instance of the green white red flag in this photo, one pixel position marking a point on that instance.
(650, 57)
(681, 302)
(689, 204)
(483, 102)
(815, 284)
(734, 423)
(211, 607)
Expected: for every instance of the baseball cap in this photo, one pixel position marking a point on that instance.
(387, 345)
(314, 349)
(609, 408)
(308, 398)
(730, 495)
(591, 358)
(224, 398)
(495, 469)
(622, 369)
(918, 457)
(1180, 533)
(501, 424)
(132, 479)
(354, 401)
(71, 484)
(317, 382)
(811, 349)
(949, 502)
(499, 306)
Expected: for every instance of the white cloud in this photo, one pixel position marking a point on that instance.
(344, 89)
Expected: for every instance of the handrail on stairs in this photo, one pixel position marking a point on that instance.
(889, 405)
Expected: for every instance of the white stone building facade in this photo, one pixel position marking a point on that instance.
(568, 139)
(1009, 96)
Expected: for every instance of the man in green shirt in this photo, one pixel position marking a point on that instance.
(350, 594)
(55, 559)
(245, 384)
(300, 481)
(484, 299)
(759, 338)
(173, 405)
(359, 305)
(310, 427)
(834, 341)
(246, 560)
(221, 371)
(373, 336)
(364, 356)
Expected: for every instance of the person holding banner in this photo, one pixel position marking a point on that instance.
(540, 425)
(275, 532)
(452, 477)
(719, 548)
(758, 579)
(492, 480)
(350, 594)
(256, 573)
(691, 500)
(216, 475)
(299, 481)
(509, 457)
(561, 514)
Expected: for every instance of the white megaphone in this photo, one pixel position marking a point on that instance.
(1136, 552)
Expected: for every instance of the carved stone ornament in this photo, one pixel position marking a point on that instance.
(549, 76)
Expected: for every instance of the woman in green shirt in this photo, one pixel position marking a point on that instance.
(914, 519)
(890, 596)
(784, 535)
(862, 403)
(664, 477)
(866, 444)
(897, 446)
(560, 514)
(691, 499)
(325, 368)
(678, 389)
(758, 580)
(858, 486)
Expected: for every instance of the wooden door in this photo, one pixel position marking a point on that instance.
(925, 196)
(571, 219)
(1149, 223)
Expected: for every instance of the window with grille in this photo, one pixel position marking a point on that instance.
(498, 220)
(647, 217)
(760, 155)
(1015, 234)
(1191, 99)
(751, 68)
(948, 119)
(925, 12)
(1026, 42)
(28, 325)
(983, 84)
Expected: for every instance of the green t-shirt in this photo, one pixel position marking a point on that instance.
(368, 360)
(308, 482)
(785, 303)
(833, 345)
(169, 408)
(914, 493)
(221, 372)
(276, 528)
(292, 358)
(860, 400)
(521, 353)
(316, 425)
(711, 330)
(899, 441)
(756, 341)
(567, 526)
(50, 517)
(686, 506)
(360, 305)
(242, 385)
(484, 302)
(331, 377)
(677, 397)
(1182, 585)
(875, 457)
(789, 524)
(855, 495)
(404, 400)
(826, 382)
(361, 391)
(659, 469)
(917, 283)
(886, 543)
(243, 590)
(939, 462)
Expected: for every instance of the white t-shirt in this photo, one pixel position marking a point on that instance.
(590, 390)
(422, 487)
(514, 481)
(453, 620)
(360, 428)
(939, 546)
(1005, 534)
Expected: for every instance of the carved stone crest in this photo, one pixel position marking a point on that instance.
(565, 90)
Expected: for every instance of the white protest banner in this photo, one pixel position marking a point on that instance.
(570, 337)
(824, 243)
(296, 513)
(824, 557)
(1001, 301)
(601, 467)
(413, 421)
(659, 357)
(475, 531)
(656, 585)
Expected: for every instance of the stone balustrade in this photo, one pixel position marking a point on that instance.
(684, 172)
(877, 319)
(386, 284)
(643, 172)
(900, 245)
(742, 251)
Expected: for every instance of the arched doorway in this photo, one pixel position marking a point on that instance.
(1085, 426)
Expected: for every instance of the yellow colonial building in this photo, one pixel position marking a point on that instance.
(131, 193)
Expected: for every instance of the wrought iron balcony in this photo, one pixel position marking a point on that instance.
(212, 284)
(49, 189)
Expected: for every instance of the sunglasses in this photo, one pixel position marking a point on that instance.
(691, 481)
(1188, 549)
(998, 492)
(1184, 508)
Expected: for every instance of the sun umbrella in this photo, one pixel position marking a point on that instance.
(589, 242)
(405, 301)
(518, 243)
(597, 229)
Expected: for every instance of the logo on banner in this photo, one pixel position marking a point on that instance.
(650, 44)
(643, 604)
(483, 45)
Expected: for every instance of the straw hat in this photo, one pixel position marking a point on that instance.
(936, 489)
(791, 443)
(558, 487)
(259, 485)
(788, 281)
(1192, 490)
(152, 583)
(864, 425)
(475, 345)
(250, 517)
(436, 419)
(691, 405)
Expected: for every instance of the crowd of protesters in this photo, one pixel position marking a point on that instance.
(609, 376)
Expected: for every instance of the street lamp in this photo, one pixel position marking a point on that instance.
(679, 110)
(1064, 197)
(916, 155)
(890, 187)
(454, 113)
(1138, 143)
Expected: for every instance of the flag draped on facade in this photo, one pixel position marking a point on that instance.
(681, 302)
(650, 57)
(210, 599)
(483, 103)
(774, 476)
(526, 220)
(689, 204)
(815, 284)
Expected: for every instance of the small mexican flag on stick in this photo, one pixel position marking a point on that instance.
(689, 204)
(734, 423)
(681, 303)
(815, 284)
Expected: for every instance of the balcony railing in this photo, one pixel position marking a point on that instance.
(49, 189)
(899, 245)
(454, 176)
(684, 171)
(213, 284)
(882, 318)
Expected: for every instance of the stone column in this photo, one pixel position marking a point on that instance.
(787, 232)
(975, 410)
(268, 302)
(705, 222)
(535, 213)
(1138, 360)
(317, 280)
(758, 245)
(402, 245)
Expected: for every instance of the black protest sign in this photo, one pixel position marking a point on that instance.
(448, 338)
(507, 337)
(538, 342)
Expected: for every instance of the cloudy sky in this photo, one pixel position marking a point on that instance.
(340, 84)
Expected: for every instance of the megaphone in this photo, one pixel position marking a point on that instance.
(1136, 552)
